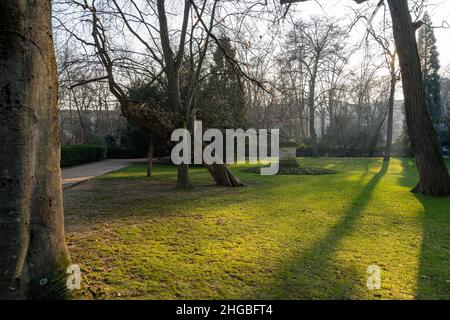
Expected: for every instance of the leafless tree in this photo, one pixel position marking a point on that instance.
(167, 62)
(313, 44)
(434, 177)
(385, 40)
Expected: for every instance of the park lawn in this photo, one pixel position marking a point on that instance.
(281, 237)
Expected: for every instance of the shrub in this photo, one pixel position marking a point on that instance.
(123, 152)
(81, 153)
(304, 150)
(128, 142)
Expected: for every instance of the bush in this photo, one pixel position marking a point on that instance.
(81, 153)
(126, 143)
(304, 150)
(123, 152)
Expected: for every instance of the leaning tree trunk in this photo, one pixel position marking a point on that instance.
(434, 178)
(160, 123)
(33, 254)
(223, 176)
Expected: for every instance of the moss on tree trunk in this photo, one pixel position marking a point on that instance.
(33, 253)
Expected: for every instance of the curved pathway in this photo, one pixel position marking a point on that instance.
(74, 175)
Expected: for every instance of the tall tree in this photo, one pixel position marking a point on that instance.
(222, 99)
(33, 253)
(164, 62)
(313, 43)
(390, 56)
(434, 177)
(429, 58)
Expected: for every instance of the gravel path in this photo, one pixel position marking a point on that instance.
(74, 175)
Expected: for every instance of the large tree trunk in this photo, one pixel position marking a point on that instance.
(33, 253)
(434, 178)
(390, 125)
(223, 176)
(220, 172)
(183, 179)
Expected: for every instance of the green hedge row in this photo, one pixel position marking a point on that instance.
(119, 152)
(81, 153)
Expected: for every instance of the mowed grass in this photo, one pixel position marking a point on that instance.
(281, 237)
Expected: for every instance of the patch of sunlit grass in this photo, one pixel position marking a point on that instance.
(285, 237)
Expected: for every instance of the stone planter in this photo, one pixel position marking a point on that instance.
(288, 154)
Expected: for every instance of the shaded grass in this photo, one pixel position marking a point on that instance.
(434, 280)
(282, 237)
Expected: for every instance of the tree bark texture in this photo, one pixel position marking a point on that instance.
(223, 176)
(183, 178)
(33, 253)
(390, 125)
(434, 178)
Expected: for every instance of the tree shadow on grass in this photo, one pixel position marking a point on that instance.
(312, 273)
(433, 279)
(320, 278)
(434, 266)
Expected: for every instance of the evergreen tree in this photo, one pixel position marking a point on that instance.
(429, 56)
(222, 100)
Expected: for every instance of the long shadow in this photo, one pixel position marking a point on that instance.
(181, 203)
(304, 276)
(433, 279)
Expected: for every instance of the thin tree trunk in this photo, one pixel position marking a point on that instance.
(150, 160)
(33, 253)
(330, 109)
(373, 144)
(72, 134)
(312, 130)
(390, 126)
(322, 124)
(80, 117)
(434, 178)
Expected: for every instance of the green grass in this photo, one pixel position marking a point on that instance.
(281, 237)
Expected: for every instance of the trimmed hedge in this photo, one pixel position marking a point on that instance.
(119, 152)
(81, 153)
